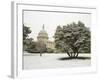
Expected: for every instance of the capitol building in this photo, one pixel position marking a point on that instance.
(43, 37)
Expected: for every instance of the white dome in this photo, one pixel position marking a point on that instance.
(42, 34)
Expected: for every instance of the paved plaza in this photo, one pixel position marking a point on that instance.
(46, 61)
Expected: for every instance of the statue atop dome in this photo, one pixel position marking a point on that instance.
(43, 27)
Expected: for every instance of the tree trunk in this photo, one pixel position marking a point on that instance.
(71, 55)
(77, 54)
(68, 54)
(74, 54)
(40, 54)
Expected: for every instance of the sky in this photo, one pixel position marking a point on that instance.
(36, 19)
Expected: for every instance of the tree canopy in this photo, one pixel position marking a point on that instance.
(73, 38)
(27, 41)
(26, 32)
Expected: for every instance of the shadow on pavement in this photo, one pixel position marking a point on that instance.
(78, 58)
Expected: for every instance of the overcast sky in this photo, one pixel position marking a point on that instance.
(36, 19)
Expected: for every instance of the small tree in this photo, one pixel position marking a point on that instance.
(41, 47)
(73, 38)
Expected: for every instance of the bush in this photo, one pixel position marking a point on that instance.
(49, 50)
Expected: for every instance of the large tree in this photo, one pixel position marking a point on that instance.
(73, 38)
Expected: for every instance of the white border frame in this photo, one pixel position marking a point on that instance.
(16, 69)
